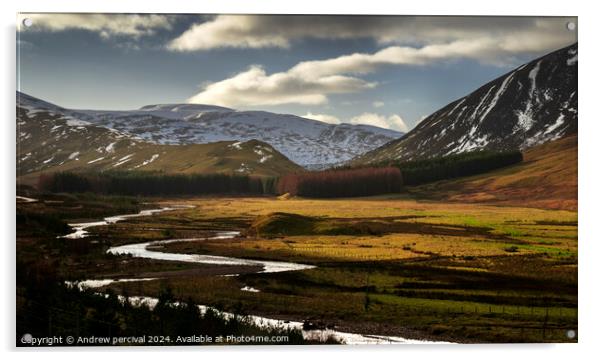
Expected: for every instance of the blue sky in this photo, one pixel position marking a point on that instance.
(385, 71)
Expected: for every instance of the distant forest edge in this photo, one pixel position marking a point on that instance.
(382, 178)
(391, 177)
(342, 183)
(151, 183)
(453, 166)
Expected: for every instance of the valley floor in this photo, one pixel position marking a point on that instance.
(387, 265)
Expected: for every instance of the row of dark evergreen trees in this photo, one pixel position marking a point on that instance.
(147, 183)
(342, 183)
(453, 166)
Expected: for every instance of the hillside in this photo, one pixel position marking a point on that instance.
(307, 142)
(531, 105)
(547, 178)
(49, 142)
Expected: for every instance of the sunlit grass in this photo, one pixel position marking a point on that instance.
(504, 224)
(488, 273)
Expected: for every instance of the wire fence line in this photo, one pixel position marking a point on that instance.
(521, 311)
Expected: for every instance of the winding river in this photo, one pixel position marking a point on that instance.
(142, 250)
(79, 229)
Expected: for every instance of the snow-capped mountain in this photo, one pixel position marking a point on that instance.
(49, 141)
(531, 105)
(307, 142)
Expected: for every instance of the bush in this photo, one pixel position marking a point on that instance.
(42, 224)
(47, 307)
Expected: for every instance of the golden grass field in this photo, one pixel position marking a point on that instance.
(479, 230)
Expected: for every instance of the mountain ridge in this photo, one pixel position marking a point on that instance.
(306, 142)
(49, 141)
(530, 105)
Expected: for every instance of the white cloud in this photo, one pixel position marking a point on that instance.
(506, 36)
(393, 122)
(106, 25)
(489, 40)
(309, 82)
(329, 119)
(486, 50)
(242, 31)
(378, 104)
(254, 87)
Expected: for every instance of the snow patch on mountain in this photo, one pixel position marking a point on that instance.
(496, 97)
(123, 160)
(146, 162)
(533, 78)
(77, 123)
(96, 160)
(573, 60)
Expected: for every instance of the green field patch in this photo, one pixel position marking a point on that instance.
(552, 251)
(438, 306)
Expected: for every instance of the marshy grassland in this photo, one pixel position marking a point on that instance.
(388, 265)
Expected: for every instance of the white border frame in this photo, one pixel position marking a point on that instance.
(589, 173)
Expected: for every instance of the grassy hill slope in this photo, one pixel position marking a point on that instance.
(546, 179)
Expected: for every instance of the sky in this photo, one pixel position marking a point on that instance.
(387, 71)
